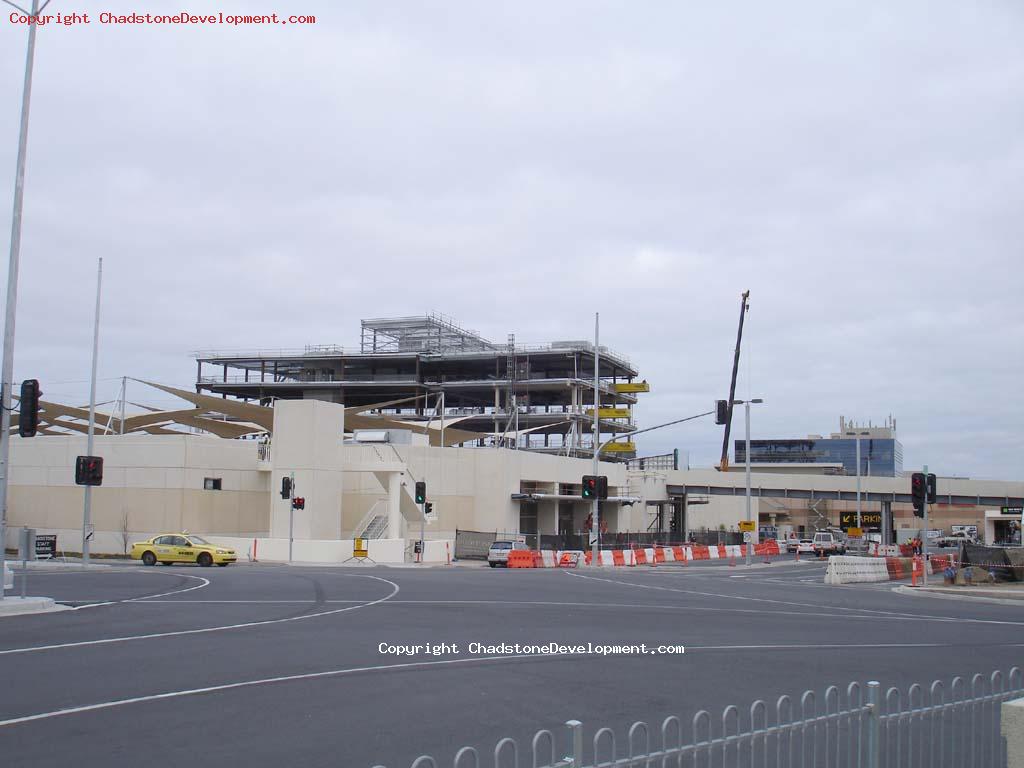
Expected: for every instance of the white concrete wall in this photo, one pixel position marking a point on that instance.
(307, 445)
(151, 484)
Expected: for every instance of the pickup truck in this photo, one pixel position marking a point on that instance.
(954, 539)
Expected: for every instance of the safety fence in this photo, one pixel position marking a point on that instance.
(934, 726)
(636, 556)
(473, 545)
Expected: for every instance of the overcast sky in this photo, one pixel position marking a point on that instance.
(857, 166)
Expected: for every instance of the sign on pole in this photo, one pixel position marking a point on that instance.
(748, 526)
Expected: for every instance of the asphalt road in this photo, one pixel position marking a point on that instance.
(280, 666)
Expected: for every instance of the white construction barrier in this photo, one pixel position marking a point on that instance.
(843, 569)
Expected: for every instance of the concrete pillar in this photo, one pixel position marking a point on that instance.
(547, 518)
(1011, 726)
(307, 445)
(394, 505)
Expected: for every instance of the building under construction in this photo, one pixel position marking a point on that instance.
(422, 370)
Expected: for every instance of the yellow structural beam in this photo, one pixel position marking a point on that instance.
(610, 413)
(633, 386)
(620, 448)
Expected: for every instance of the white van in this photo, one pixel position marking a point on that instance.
(826, 542)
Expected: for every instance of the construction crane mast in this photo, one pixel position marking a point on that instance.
(724, 464)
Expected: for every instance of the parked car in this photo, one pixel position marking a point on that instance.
(827, 543)
(954, 539)
(170, 548)
(498, 553)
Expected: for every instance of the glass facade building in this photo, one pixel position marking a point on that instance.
(879, 457)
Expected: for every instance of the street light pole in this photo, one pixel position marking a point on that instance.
(595, 545)
(757, 536)
(87, 508)
(747, 463)
(858, 481)
(7, 373)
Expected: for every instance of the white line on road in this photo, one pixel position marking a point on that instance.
(564, 604)
(205, 583)
(423, 664)
(178, 633)
(847, 612)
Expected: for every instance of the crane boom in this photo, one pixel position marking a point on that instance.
(724, 465)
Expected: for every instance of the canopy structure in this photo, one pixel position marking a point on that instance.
(225, 418)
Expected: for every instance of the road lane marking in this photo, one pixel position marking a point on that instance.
(874, 614)
(445, 662)
(177, 633)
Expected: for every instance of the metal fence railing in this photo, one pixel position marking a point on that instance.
(860, 727)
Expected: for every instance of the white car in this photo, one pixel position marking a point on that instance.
(805, 546)
(498, 553)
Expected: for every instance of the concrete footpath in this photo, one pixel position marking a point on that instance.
(1005, 594)
(13, 605)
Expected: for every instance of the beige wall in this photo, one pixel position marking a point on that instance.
(151, 484)
(157, 480)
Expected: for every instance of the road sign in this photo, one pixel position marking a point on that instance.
(748, 537)
(1011, 510)
(748, 526)
(359, 548)
(869, 521)
(854, 532)
(46, 546)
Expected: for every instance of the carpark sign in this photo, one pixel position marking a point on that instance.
(46, 546)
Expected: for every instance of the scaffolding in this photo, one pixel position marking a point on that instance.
(433, 333)
(534, 397)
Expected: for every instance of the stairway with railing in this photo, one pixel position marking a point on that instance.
(374, 524)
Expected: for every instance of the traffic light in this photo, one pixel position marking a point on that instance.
(589, 487)
(930, 488)
(298, 503)
(421, 492)
(721, 411)
(602, 487)
(89, 470)
(28, 416)
(674, 524)
(918, 492)
(286, 487)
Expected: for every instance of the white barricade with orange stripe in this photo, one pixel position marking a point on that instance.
(845, 569)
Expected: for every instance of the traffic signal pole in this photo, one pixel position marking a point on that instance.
(924, 538)
(7, 373)
(87, 510)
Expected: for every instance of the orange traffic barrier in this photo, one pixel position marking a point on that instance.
(522, 558)
(618, 558)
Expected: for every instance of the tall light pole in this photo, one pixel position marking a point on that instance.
(87, 507)
(7, 373)
(858, 478)
(746, 404)
(595, 544)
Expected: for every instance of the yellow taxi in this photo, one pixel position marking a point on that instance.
(170, 548)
